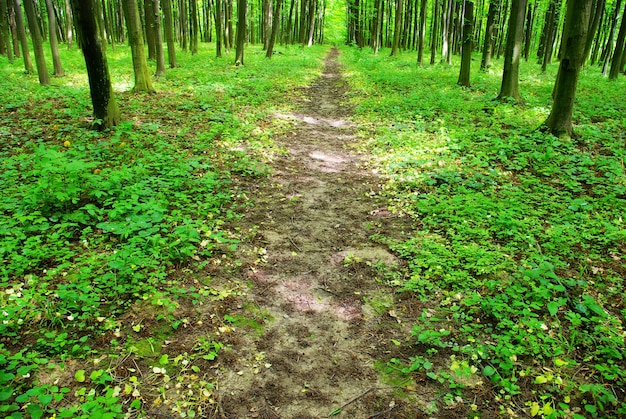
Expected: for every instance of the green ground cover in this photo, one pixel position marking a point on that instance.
(518, 249)
(96, 225)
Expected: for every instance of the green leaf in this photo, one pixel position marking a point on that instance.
(164, 360)
(335, 412)
(6, 393)
(45, 399)
(591, 408)
(488, 371)
(80, 376)
(553, 307)
(35, 411)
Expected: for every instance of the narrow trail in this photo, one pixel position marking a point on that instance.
(332, 315)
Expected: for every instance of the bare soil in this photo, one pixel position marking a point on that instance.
(317, 275)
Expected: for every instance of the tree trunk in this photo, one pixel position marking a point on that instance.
(150, 28)
(433, 35)
(13, 26)
(275, 25)
(21, 30)
(158, 44)
(54, 44)
(105, 108)
(597, 13)
(397, 28)
(195, 28)
(530, 19)
(218, 28)
(376, 21)
(421, 33)
(69, 34)
(5, 33)
(510, 75)
(550, 33)
(492, 14)
(169, 33)
(183, 18)
(241, 31)
(605, 57)
(35, 33)
(468, 45)
(311, 25)
(617, 62)
(574, 39)
(143, 82)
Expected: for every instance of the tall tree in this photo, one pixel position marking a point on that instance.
(69, 34)
(158, 44)
(433, 35)
(169, 32)
(193, 20)
(150, 29)
(218, 28)
(605, 57)
(21, 30)
(143, 82)
(594, 24)
(573, 55)
(105, 108)
(468, 44)
(54, 45)
(509, 88)
(421, 32)
(397, 28)
(488, 43)
(617, 63)
(242, 7)
(35, 33)
(275, 26)
(5, 35)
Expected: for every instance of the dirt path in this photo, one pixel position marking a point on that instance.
(314, 275)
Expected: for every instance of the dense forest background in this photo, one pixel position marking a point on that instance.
(138, 137)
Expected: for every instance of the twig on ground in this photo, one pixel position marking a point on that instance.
(381, 413)
(352, 400)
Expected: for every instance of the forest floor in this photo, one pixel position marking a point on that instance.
(317, 274)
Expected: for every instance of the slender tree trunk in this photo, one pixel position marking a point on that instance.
(195, 28)
(433, 35)
(574, 39)
(597, 13)
(150, 30)
(35, 33)
(468, 45)
(275, 25)
(510, 75)
(19, 23)
(54, 44)
(605, 58)
(169, 32)
(530, 19)
(421, 33)
(5, 33)
(183, 18)
(492, 14)
(105, 108)
(311, 25)
(158, 45)
(397, 28)
(241, 31)
(143, 82)
(13, 26)
(218, 28)
(69, 34)
(617, 62)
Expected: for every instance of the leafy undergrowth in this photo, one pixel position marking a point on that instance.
(518, 252)
(105, 238)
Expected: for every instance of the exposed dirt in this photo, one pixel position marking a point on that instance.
(315, 276)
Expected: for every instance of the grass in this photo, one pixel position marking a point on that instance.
(97, 227)
(518, 249)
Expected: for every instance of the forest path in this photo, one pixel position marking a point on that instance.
(313, 269)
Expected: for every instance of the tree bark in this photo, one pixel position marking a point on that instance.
(492, 14)
(241, 31)
(158, 44)
(397, 28)
(21, 30)
(195, 29)
(597, 13)
(605, 57)
(150, 30)
(54, 44)
(105, 108)
(218, 28)
(617, 62)
(433, 35)
(468, 45)
(5, 33)
(311, 23)
(509, 88)
(275, 26)
(559, 121)
(143, 82)
(35, 33)
(69, 26)
(421, 33)
(169, 32)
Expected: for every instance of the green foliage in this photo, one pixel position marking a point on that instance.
(94, 226)
(518, 249)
